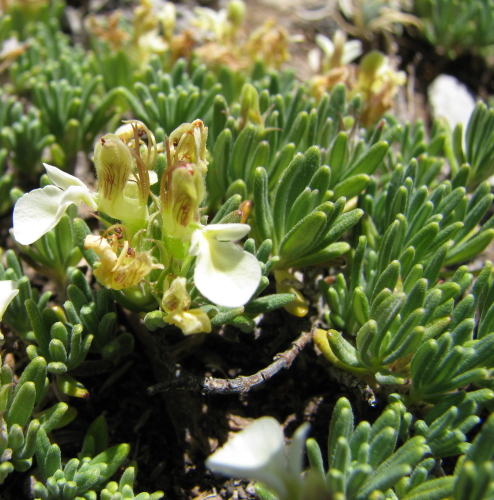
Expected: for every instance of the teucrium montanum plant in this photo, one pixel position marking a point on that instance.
(391, 216)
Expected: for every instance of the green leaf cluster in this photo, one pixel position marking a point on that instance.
(457, 26)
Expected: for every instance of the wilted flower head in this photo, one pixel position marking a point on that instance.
(176, 303)
(188, 144)
(120, 265)
(224, 274)
(108, 29)
(378, 82)
(182, 192)
(269, 44)
(258, 452)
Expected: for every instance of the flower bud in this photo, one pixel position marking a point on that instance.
(236, 13)
(249, 106)
(184, 193)
(286, 283)
(114, 165)
(168, 18)
(188, 144)
(118, 197)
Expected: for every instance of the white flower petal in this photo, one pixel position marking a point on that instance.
(326, 45)
(256, 452)
(314, 59)
(227, 232)
(296, 449)
(62, 179)
(153, 177)
(8, 290)
(37, 212)
(224, 274)
(353, 49)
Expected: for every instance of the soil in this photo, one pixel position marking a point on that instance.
(172, 433)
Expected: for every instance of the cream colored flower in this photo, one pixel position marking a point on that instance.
(176, 303)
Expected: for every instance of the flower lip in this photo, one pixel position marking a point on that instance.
(258, 452)
(224, 274)
(40, 210)
(8, 290)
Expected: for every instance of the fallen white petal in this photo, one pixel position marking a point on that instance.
(8, 290)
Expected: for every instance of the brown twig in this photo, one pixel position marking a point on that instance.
(209, 385)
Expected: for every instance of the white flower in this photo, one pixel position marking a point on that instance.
(337, 52)
(8, 290)
(40, 210)
(259, 452)
(224, 274)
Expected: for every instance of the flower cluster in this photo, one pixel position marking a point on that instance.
(129, 252)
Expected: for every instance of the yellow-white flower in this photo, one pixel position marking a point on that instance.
(258, 452)
(176, 303)
(120, 267)
(40, 210)
(224, 274)
(8, 290)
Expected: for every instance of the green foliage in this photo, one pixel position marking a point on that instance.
(268, 130)
(390, 213)
(456, 26)
(25, 138)
(74, 114)
(65, 338)
(15, 316)
(167, 100)
(18, 429)
(55, 252)
(302, 223)
(362, 460)
(86, 477)
(477, 150)
(97, 316)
